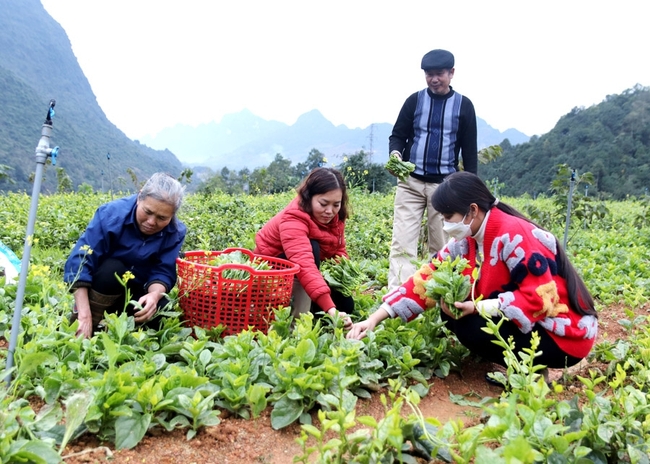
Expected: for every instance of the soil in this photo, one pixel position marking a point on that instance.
(238, 441)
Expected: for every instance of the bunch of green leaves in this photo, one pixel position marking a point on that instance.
(631, 354)
(344, 275)
(239, 258)
(525, 424)
(18, 427)
(448, 283)
(416, 351)
(400, 169)
(616, 417)
(642, 217)
(380, 440)
(305, 368)
(616, 421)
(236, 366)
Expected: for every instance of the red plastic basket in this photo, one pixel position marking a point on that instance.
(208, 299)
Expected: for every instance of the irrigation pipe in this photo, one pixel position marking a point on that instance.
(43, 150)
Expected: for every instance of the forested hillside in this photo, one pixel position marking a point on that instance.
(611, 140)
(37, 64)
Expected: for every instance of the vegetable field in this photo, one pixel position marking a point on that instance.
(125, 385)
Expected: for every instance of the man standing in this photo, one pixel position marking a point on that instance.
(434, 128)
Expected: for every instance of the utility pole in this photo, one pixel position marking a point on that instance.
(372, 137)
(110, 175)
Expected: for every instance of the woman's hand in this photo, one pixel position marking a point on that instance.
(149, 303)
(84, 315)
(467, 308)
(360, 329)
(85, 327)
(347, 322)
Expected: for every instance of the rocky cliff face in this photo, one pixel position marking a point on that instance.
(37, 64)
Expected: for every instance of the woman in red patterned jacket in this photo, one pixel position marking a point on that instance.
(524, 275)
(311, 229)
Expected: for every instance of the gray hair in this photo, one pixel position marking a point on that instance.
(165, 188)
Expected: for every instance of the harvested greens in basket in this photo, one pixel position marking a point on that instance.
(447, 282)
(237, 257)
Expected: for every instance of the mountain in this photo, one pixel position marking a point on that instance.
(610, 140)
(36, 65)
(244, 140)
(488, 135)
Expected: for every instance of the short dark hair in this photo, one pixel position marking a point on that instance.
(319, 181)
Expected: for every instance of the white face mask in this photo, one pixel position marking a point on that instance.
(458, 230)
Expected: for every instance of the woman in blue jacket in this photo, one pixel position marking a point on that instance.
(139, 234)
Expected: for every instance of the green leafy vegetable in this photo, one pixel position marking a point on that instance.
(237, 257)
(400, 169)
(344, 275)
(448, 283)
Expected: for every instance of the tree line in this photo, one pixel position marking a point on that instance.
(610, 140)
(607, 146)
(282, 176)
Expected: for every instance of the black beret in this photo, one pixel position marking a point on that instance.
(438, 59)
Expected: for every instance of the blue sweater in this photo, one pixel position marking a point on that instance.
(114, 233)
(431, 132)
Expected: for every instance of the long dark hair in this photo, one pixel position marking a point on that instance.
(460, 189)
(318, 182)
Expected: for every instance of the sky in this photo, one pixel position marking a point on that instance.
(154, 64)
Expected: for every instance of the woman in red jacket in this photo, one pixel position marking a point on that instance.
(311, 229)
(524, 275)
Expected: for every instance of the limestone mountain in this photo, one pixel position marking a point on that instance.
(36, 65)
(245, 140)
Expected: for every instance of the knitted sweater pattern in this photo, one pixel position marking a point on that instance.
(432, 130)
(521, 270)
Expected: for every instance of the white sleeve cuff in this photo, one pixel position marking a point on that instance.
(386, 307)
(488, 307)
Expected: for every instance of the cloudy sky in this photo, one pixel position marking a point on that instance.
(157, 63)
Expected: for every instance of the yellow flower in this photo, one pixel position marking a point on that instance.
(345, 159)
(87, 249)
(349, 168)
(365, 172)
(128, 275)
(40, 271)
(324, 160)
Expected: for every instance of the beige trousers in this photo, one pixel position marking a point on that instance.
(412, 198)
(300, 301)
